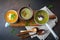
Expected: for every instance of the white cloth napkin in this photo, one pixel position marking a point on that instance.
(50, 22)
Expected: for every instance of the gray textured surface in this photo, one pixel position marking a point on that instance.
(5, 33)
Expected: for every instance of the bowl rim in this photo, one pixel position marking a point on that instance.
(6, 14)
(36, 21)
(22, 9)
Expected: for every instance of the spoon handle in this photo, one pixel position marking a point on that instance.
(53, 33)
(26, 31)
(26, 36)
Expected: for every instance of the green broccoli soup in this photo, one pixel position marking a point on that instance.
(41, 17)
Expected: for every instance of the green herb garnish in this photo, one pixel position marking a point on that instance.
(33, 22)
(13, 31)
(12, 16)
(50, 6)
(27, 23)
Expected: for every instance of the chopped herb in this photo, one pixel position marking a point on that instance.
(50, 6)
(13, 31)
(12, 16)
(27, 23)
(33, 22)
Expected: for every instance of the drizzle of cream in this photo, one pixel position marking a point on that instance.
(40, 18)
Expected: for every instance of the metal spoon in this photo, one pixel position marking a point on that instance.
(50, 29)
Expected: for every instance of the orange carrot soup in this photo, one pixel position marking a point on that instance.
(11, 16)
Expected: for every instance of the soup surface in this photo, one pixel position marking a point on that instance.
(41, 17)
(11, 16)
(26, 13)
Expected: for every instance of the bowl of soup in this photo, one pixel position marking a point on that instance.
(11, 16)
(25, 13)
(41, 17)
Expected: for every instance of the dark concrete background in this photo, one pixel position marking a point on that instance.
(5, 5)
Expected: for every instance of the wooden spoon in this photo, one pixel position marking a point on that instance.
(23, 32)
(39, 32)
